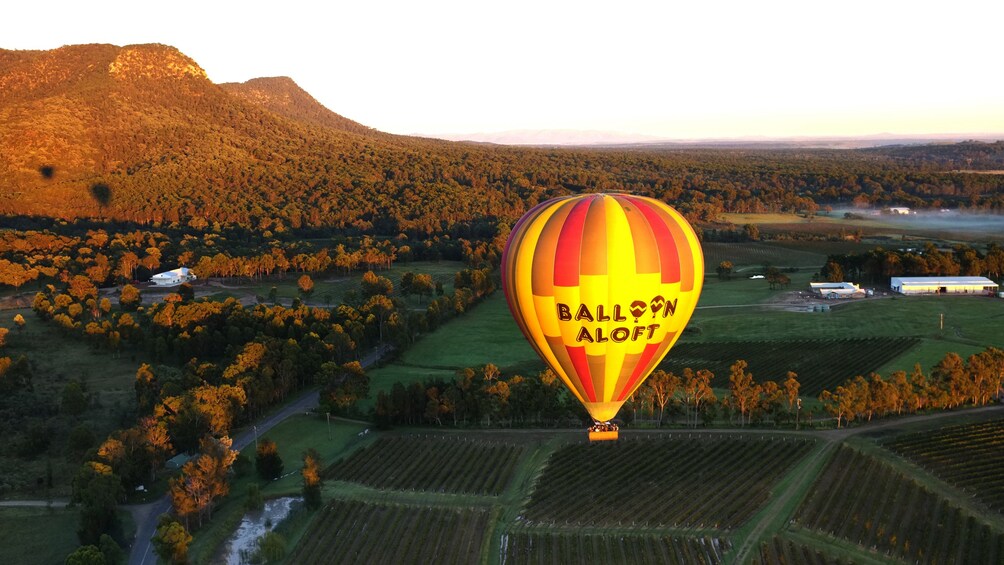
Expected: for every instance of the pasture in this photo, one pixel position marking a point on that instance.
(330, 289)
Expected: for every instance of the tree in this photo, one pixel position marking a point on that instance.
(74, 399)
(171, 540)
(752, 232)
(99, 491)
(306, 285)
(791, 386)
(372, 285)
(203, 479)
(745, 391)
(312, 481)
(111, 550)
(86, 555)
(832, 272)
(724, 270)
(3, 336)
(342, 385)
(267, 459)
(662, 387)
(19, 322)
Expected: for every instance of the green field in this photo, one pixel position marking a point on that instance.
(108, 376)
(38, 535)
(55, 359)
(330, 288)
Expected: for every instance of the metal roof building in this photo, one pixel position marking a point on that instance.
(943, 285)
(836, 289)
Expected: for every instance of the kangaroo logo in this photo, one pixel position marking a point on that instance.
(637, 309)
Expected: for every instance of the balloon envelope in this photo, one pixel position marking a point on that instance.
(602, 286)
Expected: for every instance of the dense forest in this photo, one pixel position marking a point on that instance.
(139, 134)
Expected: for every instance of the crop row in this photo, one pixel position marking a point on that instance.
(783, 551)
(751, 253)
(439, 464)
(356, 532)
(530, 548)
(969, 457)
(820, 363)
(701, 482)
(868, 502)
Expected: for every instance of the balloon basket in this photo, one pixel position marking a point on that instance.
(602, 432)
(602, 436)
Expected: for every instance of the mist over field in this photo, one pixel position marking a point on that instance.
(936, 220)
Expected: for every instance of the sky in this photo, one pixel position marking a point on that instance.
(679, 70)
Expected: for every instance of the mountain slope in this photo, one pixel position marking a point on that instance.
(166, 145)
(284, 97)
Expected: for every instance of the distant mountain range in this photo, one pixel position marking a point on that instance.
(565, 137)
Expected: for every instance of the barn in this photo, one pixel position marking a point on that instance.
(837, 289)
(173, 278)
(943, 285)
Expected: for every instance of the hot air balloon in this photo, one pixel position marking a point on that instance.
(602, 286)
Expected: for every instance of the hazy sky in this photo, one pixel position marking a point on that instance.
(673, 69)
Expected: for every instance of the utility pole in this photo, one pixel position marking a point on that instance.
(798, 413)
(941, 323)
(329, 425)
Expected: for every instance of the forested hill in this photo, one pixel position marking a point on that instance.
(282, 96)
(139, 133)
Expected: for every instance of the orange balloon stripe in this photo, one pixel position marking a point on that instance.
(646, 249)
(546, 247)
(593, 250)
(581, 365)
(566, 257)
(669, 259)
(684, 251)
(639, 368)
(512, 244)
(557, 347)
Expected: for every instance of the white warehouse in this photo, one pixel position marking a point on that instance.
(173, 278)
(943, 285)
(837, 289)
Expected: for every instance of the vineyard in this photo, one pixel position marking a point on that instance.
(755, 253)
(357, 532)
(783, 551)
(869, 503)
(699, 482)
(531, 548)
(969, 457)
(832, 361)
(451, 464)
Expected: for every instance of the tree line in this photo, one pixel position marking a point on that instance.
(951, 383)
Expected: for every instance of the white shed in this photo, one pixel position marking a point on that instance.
(837, 289)
(173, 278)
(943, 285)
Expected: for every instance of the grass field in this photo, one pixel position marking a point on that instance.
(37, 535)
(55, 359)
(108, 376)
(331, 288)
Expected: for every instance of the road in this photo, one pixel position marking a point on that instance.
(145, 515)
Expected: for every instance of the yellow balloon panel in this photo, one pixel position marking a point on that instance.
(602, 286)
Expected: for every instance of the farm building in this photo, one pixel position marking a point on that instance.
(898, 210)
(173, 278)
(943, 285)
(837, 289)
